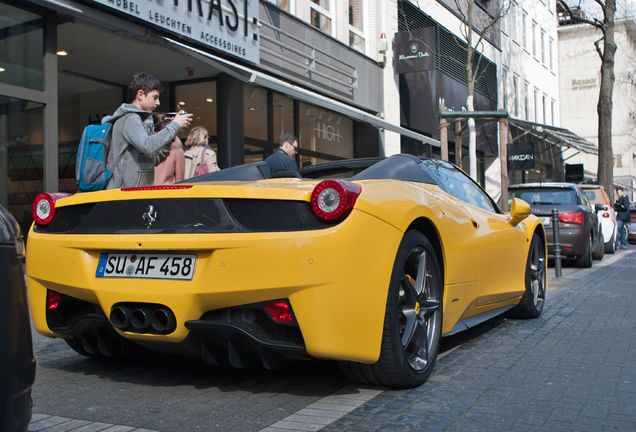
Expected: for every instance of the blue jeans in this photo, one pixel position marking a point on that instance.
(622, 233)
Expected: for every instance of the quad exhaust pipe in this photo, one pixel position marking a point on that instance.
(143, 318)
(120, 317)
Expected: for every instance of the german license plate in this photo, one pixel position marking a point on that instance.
(146, 266)
(546, 220)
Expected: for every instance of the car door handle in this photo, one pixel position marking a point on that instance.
(475, 223)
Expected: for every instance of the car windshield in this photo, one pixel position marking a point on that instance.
(545, 196)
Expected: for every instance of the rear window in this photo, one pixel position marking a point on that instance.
(545, 196)
(595, 196)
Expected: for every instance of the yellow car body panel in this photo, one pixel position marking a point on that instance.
(336, 279)
(320, 279)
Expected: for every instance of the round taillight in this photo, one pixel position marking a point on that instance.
(334, 199)
(43, 209)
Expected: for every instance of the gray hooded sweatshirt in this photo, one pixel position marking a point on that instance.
(132, 145)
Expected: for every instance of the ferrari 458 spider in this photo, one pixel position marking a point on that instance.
(241, 268)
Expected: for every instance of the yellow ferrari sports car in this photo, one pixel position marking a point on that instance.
(362, 261)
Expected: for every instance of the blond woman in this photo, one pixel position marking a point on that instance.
(199, 158)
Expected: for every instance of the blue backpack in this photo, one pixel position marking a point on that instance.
(91, 172)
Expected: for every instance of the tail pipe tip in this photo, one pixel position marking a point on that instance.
(140, 319)
(120, 317)
(163, 321)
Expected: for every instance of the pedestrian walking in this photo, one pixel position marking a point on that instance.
(133, 140)
(199, 158)
(171, 169)
(621, 207)
(283, 157)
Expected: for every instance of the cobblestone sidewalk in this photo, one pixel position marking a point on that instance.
(570, 370)
(573, 369)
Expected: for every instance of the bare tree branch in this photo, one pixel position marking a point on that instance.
(578, 18)
(597, 45)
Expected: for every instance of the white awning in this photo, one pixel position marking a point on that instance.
(267, 81)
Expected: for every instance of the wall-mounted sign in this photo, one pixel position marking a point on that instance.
(230, 26)
(413, 50)
(521, 156)
(327, 131)
(583, 84)
(574, 173)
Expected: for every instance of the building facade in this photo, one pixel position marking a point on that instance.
(428, 61)
(529, 88)
(579, 66)
(247, 70)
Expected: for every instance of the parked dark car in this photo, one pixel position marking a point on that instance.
(17, 364)
(631, 228)
(580, 236)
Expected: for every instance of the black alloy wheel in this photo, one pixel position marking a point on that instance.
(413, 319)
(419, 304)
(531, 304)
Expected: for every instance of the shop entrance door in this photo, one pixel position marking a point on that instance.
(21, 156)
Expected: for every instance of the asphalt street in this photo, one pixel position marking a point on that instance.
(570, 370)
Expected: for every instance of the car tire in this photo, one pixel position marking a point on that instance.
(599, 250)
(610, 247)
(585, 259)
(531, 304)
(413, 319)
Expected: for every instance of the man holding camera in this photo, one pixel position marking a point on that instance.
(132, 140)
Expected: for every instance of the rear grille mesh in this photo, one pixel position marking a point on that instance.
(273, 215)
(184, 215)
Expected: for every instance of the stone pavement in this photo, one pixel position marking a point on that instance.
(573, 369)
(570, 370)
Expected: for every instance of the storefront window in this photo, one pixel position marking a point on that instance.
(283, 115)
(255, 118)
(324, 135)
(199, 99)
(255, 114)
(82, 101)
(21, 156)
(21, 48)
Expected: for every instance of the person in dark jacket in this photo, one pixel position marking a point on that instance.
(621, 206)
(283, 157)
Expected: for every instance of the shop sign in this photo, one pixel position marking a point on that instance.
(413, 50)
(521, 156)
(327, 132)
(574, 173)
(583, 84)
(230, 26)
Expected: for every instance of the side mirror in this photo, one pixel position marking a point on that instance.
(599, 207)
(519, 210)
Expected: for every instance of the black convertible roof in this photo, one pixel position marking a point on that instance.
(397, 167)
